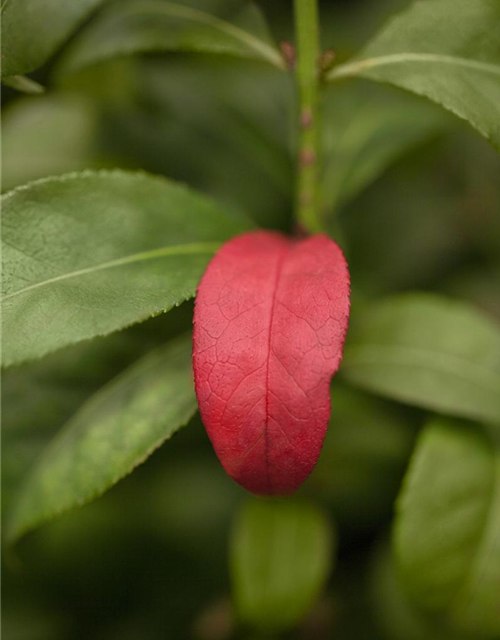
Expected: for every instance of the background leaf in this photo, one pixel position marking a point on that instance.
(397, 616)
(117, 429)
(363, 459)
(46, 136)
(60, 383)
(90, 253)
(23, 84)
(428, 351)
(133, 26)
(364, 131)
(33, 30)
(448, 527)
(446, 50)
(280, 558)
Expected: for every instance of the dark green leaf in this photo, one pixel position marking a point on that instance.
(117, 429)
(448, 527)
(33, 30)
(87, 254)
(365, 131)
(280, 559)
(428, 351)
(446, 50)
(363, 459)
(131, 27)
(211, 139)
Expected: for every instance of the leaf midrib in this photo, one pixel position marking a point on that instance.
(265, 50)
(359, 66)
(439, 361)
(192, 248)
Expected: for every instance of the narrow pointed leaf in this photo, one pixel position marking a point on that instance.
(90, 253)
(270, 322)
(133, 27)
(428, 351)
(445, 50)
(114, 431)
(448, 527)
(281, 555)
(23, 84)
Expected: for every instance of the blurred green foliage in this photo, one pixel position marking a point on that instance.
(413, 197)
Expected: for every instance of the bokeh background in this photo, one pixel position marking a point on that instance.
(412, 195)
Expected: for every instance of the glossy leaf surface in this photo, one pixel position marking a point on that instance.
(270, 322)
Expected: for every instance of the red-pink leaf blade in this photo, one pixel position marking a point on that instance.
(270, 323)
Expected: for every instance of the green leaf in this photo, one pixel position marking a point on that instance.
(60, 383)
(90, 253)
(211, 139)
(445, 50)
(32, 30)
(45, 136)
(280, 559)
(23, 84)
(114, 431)
(448, 527)
(364, 456)
(365, 130)
(397, 616)
(132, 27)
(428, 351)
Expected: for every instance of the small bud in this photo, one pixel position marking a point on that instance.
(306, 118)
(289, 54)
(327, 60)
(307, 157)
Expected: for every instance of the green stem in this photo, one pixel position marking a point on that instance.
(307, 76)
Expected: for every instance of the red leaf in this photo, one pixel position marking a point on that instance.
(269, 326)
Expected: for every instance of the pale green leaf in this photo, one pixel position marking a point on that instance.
(23, 84)
(428, 351)
(281, 554)
(132, 27)
(445, 50)
(45, 136)
(90, 253)
(33, 30)
(114, 431)
(448, 527)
